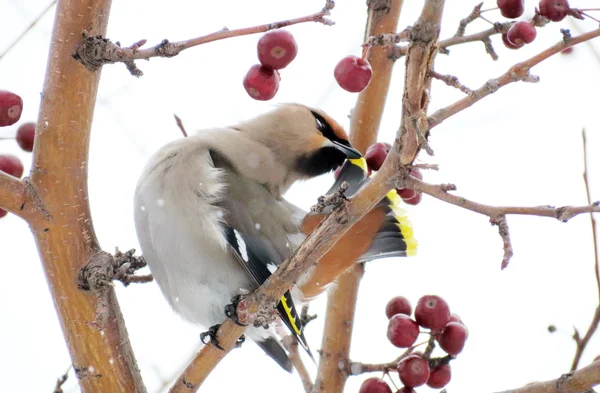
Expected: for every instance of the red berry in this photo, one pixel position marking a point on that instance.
(398, 305)
(521, 33)
(415, 199)
(261, 82)
(353, 73)
(406, 389)
(555, 10)
(11, 165)
(413, 371)
(374, 385)
(3, 213)
(410, 196)
(567, 51)
(432, 312)
(455, 318)
(439, 376)
(511, 8)
(376, 154)
(508, 44)
(26, 135)
(276, 49)
(453, 338)
(11, 106)
(402, 331)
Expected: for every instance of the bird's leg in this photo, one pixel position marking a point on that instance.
(211, 333)
(231, 309)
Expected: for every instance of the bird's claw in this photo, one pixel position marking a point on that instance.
(211, 333)
(231, 310)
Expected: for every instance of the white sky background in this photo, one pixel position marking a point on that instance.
(521, 146)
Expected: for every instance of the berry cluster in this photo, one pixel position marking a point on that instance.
(417, 369)
(524, 32)
(277, 48)
(11, 107)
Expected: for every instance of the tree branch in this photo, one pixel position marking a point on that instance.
(13, 194)
(582, 343)
(518, 72)
(291, 345)
(366, 117)
(95, 51)
(497, 214)
(103, 360)
(579, 381)
(443, 45)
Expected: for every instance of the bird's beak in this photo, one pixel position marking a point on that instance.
(348, 150)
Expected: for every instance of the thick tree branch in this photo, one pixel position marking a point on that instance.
(95, 51)
(366, 117)
(580, 381)
(417, 84)
(518, 72)
(103, 360)
(367, 113)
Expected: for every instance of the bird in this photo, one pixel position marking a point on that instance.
(213, 225)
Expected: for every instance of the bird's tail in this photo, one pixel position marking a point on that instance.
(383, 232)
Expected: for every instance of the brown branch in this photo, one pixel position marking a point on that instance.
(95, 51)
(63, 230)
(518, 72)
(462, 26)
(382, 18)
(496, 213)
(451, 81)
(14, 195)
(438, 191)
(367, 113)
(61, 381)
(443, 45)
(579, 381)
(582, 343)
(417, 84)
(291, 344)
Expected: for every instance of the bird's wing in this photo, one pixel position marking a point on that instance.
(259, 257)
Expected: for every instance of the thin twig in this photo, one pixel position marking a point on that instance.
(291, 344)
(95, 51)
(497, 213)
(61, 381)
(582, 342)
(180, 125)
(518, 72)
(443, 45)
(476, 13)
(451, 81)
(28, 29)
